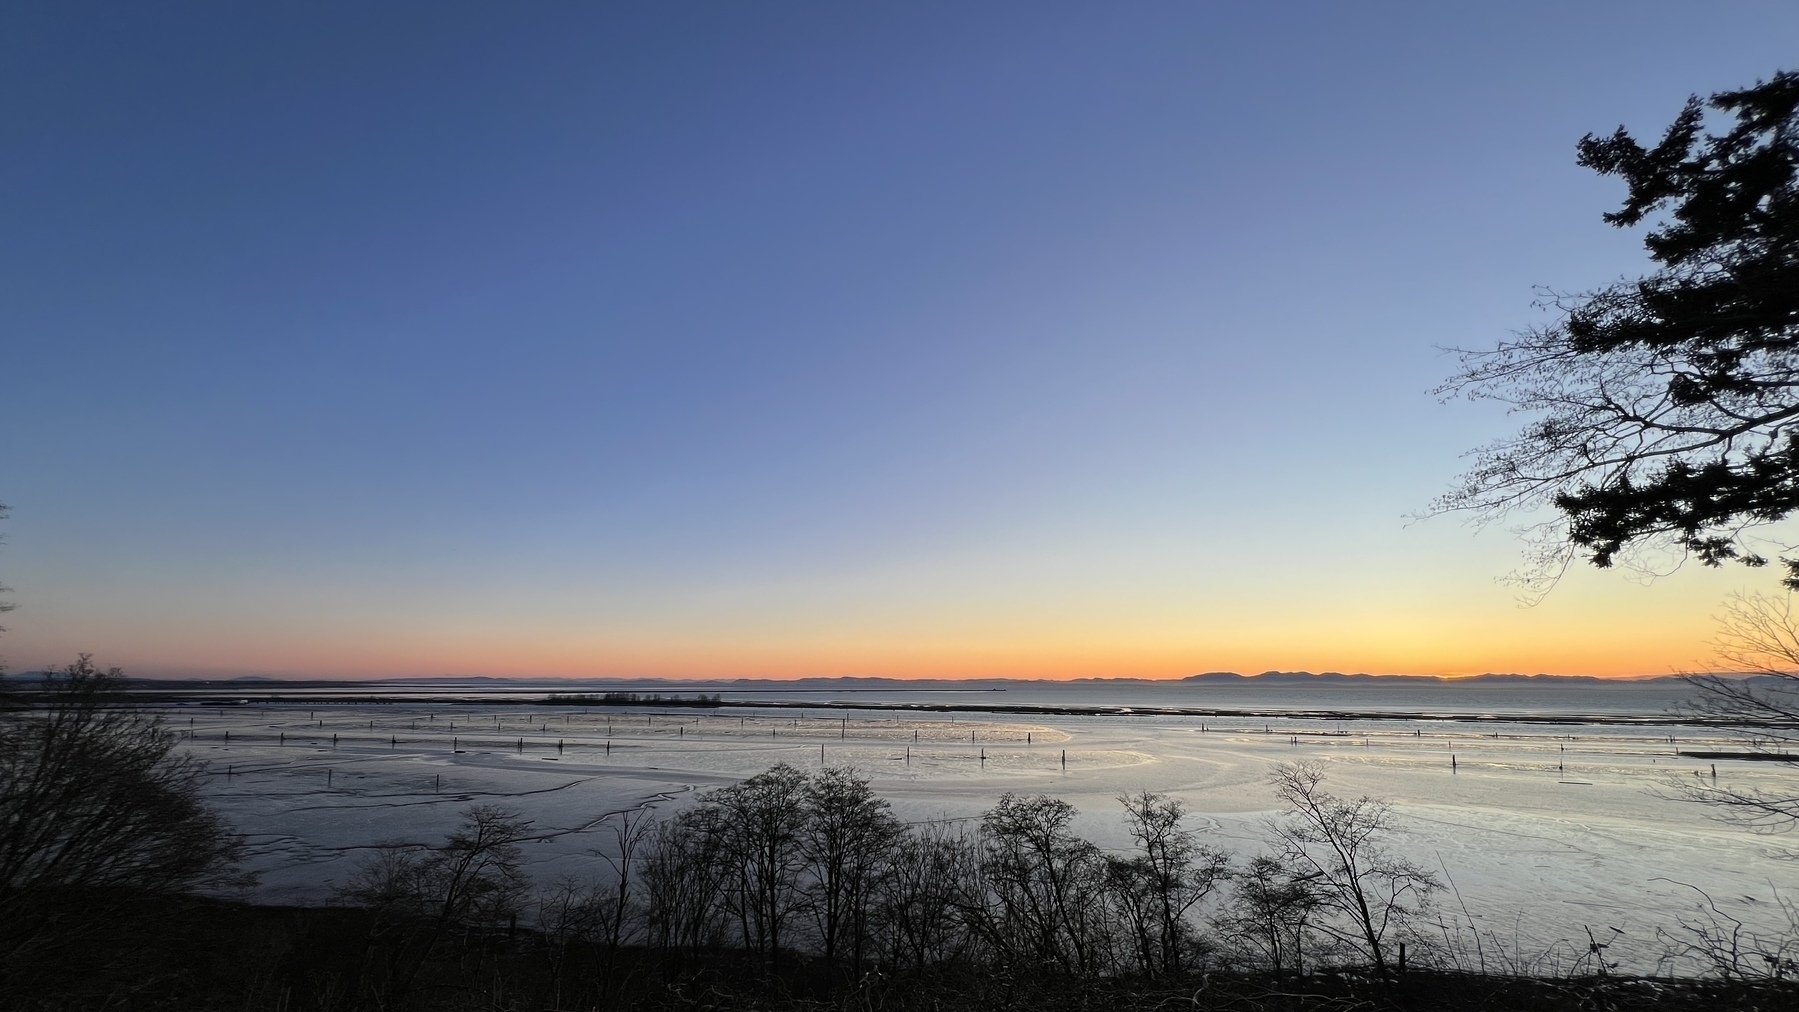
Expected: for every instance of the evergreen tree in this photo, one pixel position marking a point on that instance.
(1666, 408)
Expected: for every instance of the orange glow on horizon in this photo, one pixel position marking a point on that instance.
(1594, 625)
(921, 661)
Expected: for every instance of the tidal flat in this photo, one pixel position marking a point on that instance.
(1545, 821)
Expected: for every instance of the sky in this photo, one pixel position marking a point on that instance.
(797, 339)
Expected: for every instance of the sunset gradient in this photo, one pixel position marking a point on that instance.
(777, 340)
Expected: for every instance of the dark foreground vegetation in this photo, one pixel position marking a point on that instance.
(207, 955)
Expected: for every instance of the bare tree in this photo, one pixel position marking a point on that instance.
(1270, 914)
(685, 877)
(96, 806)
(849, 832)
(1758, 645)
(762, 822)
(571, 915)
(420, 894)
(1157, 887)
(1046, 885)
(1369, 894)
(597, 914)
(628, 829)
(931, 879)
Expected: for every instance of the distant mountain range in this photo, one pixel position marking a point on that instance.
(1490, 677)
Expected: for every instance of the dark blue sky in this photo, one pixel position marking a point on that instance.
(799, 338)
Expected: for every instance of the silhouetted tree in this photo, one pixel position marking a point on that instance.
(1366, 894)
(571, 916)
(761, 823)
(421, 894)
(1157, 888)
(1269, 915)
(1758, 635)
(1664, 409)
(1045, 883)
(686, 872)
(849, 833)
(602, 914)
(932, 882)
(96, 807)
(617, 905)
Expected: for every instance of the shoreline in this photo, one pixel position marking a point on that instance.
(213, 698)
